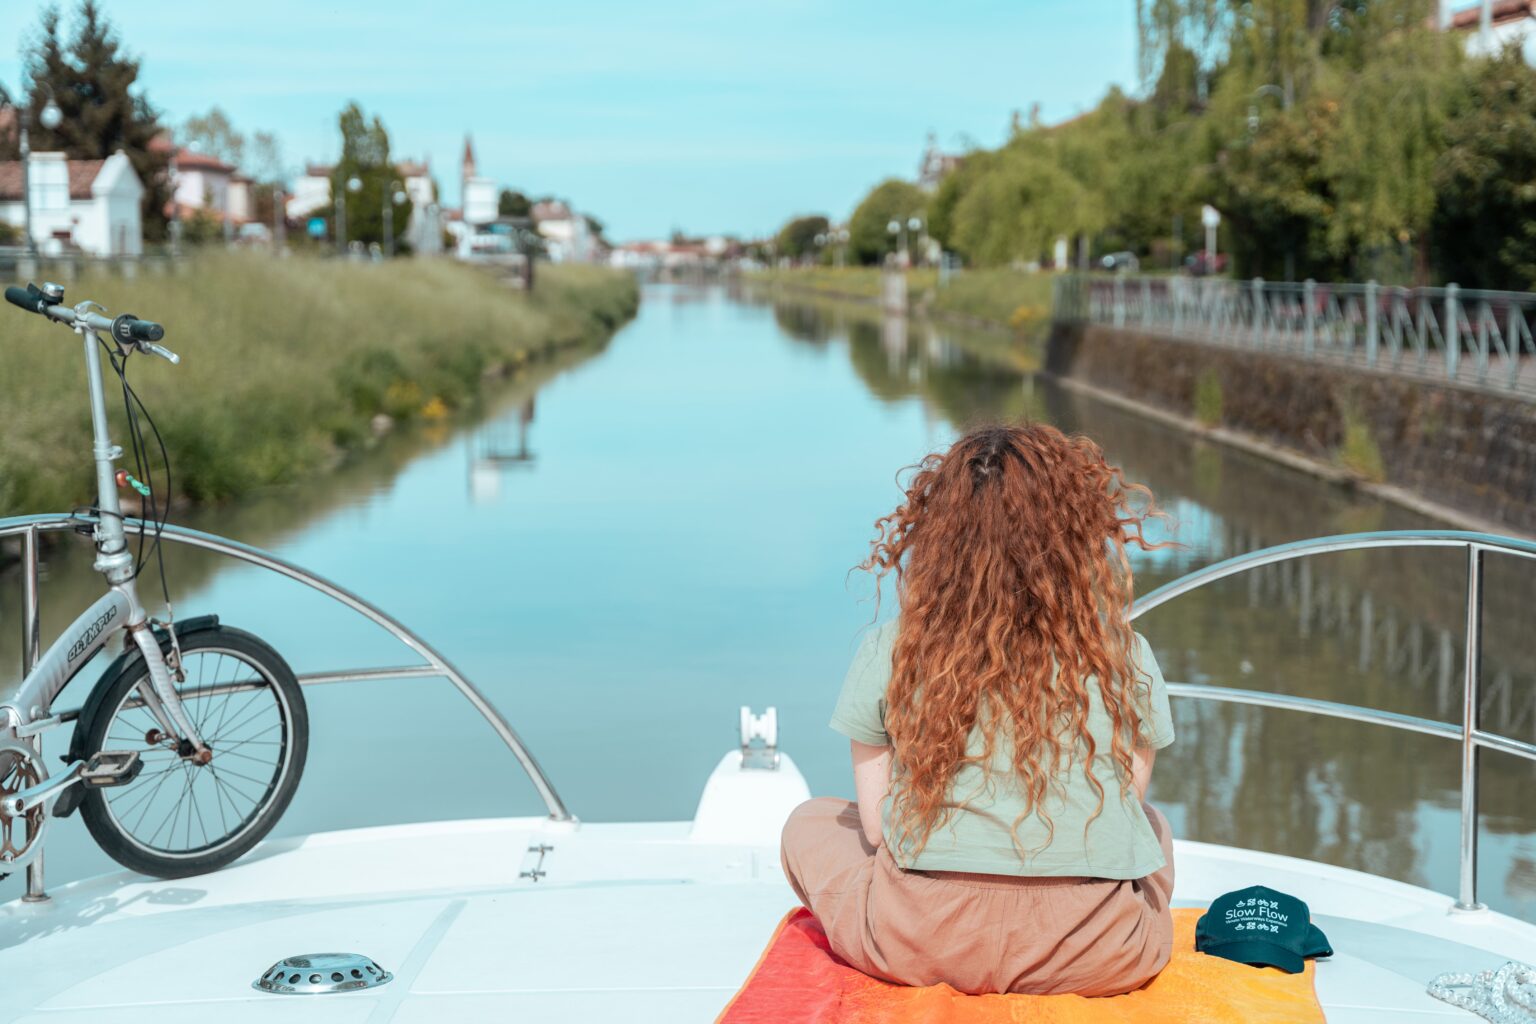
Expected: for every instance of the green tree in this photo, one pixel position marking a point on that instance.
(213, 135)
(264, 159)
(1483, 232)
(94, 82)
(797, 238)
(1393, 118)
(365, 164)
(1275, 197)
(892, 200)
(512, 203)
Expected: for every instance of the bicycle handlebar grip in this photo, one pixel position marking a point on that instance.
(28, 298)
(129, 330)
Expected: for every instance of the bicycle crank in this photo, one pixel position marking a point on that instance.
(21, 836)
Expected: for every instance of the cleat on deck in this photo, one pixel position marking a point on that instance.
(111, 768)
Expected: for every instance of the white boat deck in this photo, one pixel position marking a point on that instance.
(632, 922)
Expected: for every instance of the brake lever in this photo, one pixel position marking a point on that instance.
(159, 350)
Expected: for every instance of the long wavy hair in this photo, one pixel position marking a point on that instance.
(1009, 557)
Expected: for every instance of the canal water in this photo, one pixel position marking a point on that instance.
(632, 542)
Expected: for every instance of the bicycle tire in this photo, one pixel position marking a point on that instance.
(113, 716)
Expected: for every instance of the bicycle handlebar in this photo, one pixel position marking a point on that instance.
(29, 298)
(127, 330)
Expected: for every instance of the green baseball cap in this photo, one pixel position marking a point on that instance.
(1261, 927)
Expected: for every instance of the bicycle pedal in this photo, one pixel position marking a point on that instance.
(111, 768)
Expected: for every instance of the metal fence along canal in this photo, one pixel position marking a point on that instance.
(1477, 339)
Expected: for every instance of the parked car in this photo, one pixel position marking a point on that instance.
(1121, 261)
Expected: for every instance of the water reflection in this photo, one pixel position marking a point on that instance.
(624, 554)
(500, 446)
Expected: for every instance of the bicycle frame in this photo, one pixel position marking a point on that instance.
(29, 710)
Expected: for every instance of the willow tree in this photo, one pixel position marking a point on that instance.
(1484, 227)
(1393, 116)
(1020, 205)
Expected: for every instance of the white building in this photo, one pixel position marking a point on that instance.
(935, 164)
(1508, 21)
(311, 193)
(90, 206)
(479, 194)
(569, 235)
(206, 184)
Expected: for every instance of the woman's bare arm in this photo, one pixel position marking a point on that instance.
(871, 782)
(1142, 759)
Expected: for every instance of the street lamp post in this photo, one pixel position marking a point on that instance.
(49, 117)
(1253, 104)
(393, 196)
(175, 229)
(353, 185)
(279, 222)
(901, 229)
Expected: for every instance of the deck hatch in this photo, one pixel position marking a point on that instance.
(321, 973)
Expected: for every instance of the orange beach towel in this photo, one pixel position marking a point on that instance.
(799, 980)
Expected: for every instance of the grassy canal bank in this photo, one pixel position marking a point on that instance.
(287, 365)
(995, 297)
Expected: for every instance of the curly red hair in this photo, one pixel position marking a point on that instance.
(1011, 568)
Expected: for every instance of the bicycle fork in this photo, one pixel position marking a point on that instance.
(162, 701)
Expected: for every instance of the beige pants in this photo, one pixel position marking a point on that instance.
(978, 933)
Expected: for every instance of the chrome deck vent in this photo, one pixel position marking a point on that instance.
(319, 973)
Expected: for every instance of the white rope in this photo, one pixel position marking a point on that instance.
(1504, 996)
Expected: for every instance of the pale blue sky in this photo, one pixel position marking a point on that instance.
(709, 117)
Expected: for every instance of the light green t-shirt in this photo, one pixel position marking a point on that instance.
(1118, 843)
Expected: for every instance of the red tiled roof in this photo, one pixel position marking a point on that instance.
(318, 170)
(412, 169)
(186, 160)
(1503, 11)
(82, 174)
(186, 211)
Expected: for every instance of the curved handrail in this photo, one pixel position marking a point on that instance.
(1472, 738)
(1326, 545)
(436, 663)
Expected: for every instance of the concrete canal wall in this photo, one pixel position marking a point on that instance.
(1463, 454)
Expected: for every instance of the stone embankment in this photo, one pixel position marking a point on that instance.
(1455, 453)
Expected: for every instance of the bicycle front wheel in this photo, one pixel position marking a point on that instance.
(179, 818)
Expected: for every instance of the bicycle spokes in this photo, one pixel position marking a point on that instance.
(178, 806)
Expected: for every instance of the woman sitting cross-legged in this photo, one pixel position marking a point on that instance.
(1003, 732)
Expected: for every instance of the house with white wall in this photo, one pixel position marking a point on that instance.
(89, 206)
(1491, 25)
(479, 195)
(203, 183)
(568, 234)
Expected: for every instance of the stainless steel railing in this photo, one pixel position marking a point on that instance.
(435, 665)
(1471, 737)
(1478, 339)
